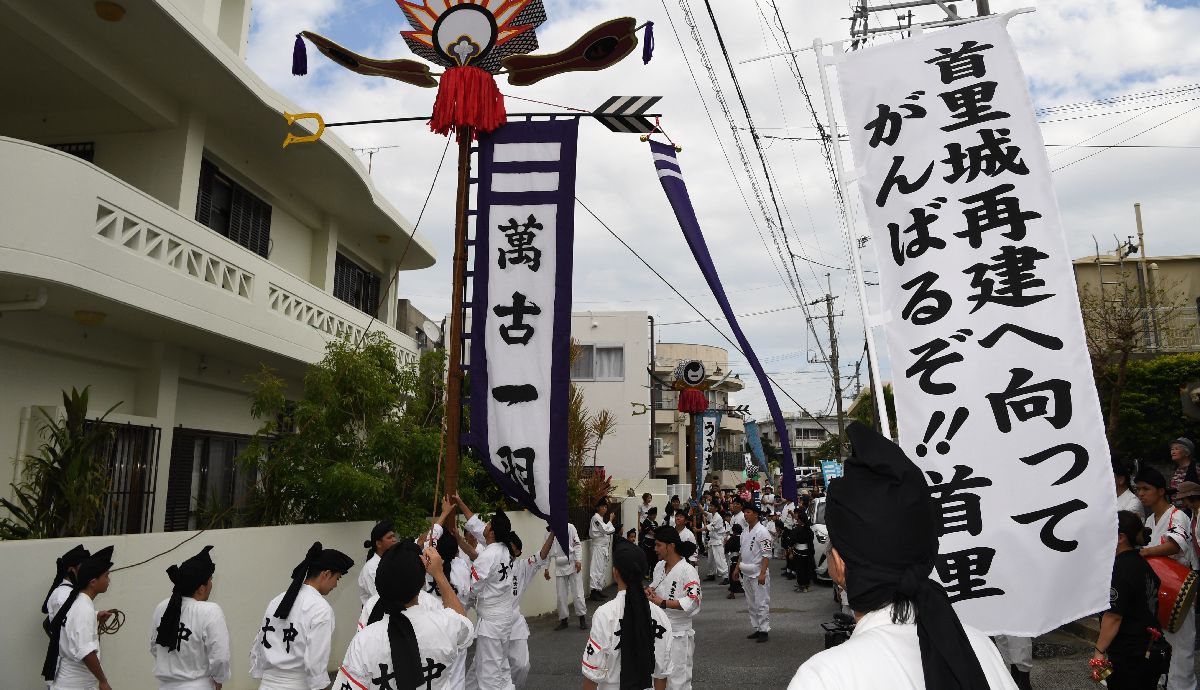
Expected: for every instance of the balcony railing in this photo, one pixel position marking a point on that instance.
(66, 221)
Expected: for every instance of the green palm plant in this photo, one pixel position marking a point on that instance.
(63, 485)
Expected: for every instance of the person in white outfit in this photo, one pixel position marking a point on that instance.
(73, 652)
(600, 531)
(686, 535)
(715, 533)
(675, 588)
(494, 593)
(629, 645)
(291, 648)
(568, 577)
(753, 569)
(884, 530)
(1170, 535)
(1126, 498)
(188, 636)
(523, 572)
(382, 538)
(406, 643)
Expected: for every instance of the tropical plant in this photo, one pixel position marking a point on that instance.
(63, 485)
(585, 432)
(1150, 414)
(362, 442)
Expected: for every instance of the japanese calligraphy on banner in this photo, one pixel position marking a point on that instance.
(521, 311)
(708, 423)
(994, 392)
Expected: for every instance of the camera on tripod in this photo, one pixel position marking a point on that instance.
(838, 630)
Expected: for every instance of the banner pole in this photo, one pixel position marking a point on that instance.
(860, 283)
(454, 376)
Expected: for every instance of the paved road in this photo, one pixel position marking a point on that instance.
(725, 659)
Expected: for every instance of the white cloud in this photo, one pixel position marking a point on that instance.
(1072, 50)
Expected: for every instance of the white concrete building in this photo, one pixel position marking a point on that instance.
(674, 460)
(157, 243)
(806, 434)
(611, 373)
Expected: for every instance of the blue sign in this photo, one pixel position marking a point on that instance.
(831, 469)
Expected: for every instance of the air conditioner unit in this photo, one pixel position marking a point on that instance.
(658, 447)
(667, 448)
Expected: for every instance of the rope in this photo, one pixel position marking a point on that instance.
(113, 623)
(158, 555)
(553, 105)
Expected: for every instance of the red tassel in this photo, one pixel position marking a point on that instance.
(692, 401)
(467, 97)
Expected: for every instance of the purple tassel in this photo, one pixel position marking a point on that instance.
(299, 58)
(648, 44)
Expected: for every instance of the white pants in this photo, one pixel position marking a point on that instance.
(490, 669)
(683, 647)
(570, 589)
(717, 564)
(1016, 651)
(600, 566)
(1182, 673)
(758, 601)
(518, 661)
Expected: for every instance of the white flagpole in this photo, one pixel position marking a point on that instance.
(856, 264)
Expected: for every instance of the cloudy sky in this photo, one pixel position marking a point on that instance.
(1075, 53)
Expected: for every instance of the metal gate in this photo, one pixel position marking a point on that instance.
(130, 454)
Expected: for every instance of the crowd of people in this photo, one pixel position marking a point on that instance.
(415, 592)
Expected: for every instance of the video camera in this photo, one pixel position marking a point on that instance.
(838, 630)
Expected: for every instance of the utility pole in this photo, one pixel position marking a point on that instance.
(860, 30)
(833, 360)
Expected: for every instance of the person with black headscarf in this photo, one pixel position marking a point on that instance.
(600, 532)
(73, 653)
(291, 649)
(883, 529)
(188, 636)
(568, 577)
(383, 535)
(753, 570)
(65, 567)
(493, 589)
(675, 588)
(629, 646)
(524, 569)
(408, 644)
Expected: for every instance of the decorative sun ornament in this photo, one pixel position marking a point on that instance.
(455, 33)
(474, 40)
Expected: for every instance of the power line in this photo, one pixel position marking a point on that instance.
(734, 345)
(740, 316)
(1102, 150)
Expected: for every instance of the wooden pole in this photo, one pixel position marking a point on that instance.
(454, 378)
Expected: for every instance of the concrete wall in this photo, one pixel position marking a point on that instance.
(625, 453)
(253, 566)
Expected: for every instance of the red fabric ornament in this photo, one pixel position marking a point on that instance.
(692, 401)
(467, 97)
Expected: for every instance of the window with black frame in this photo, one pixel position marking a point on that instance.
(233, 211)
(355, 285)
(207, 487)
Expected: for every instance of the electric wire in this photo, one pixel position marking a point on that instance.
(732, 343)
(785, 251)
(408, 244)
(713, 124)
(1134, 136)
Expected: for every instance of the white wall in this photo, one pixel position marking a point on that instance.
(253, 565)
(625, 453)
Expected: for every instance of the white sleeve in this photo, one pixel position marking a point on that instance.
(366, 582)
(576, 544)
(216, 635)
(483, 565)
(460, 629)
(316, 658)
(689, 599)
(812, 676)
(154, 621)
(257, 663)
(662, 647)
(608, 528)
(597, 653)
(354, 672)
(79, 634)
(594, 529)
(475, 527)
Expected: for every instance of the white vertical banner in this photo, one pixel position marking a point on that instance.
(521, 312)
(994, 392)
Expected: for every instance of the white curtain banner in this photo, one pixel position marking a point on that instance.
(521, 307)
(994, 392)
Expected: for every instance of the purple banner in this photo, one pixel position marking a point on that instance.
(671, 176)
